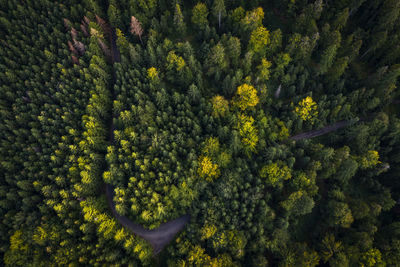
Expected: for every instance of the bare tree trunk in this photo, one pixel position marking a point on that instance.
(278, 91)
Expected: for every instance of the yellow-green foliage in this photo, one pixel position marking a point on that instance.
(211, 147)
(122, 43)
(220, 241)
(263, 69)
(17, 242)
(44, 233)
(109, 229)
(329, 246)
(208, 231)
(198, 256)
(290, 201)
(152, 73)
(232, 240)
(369, 160)
(304, 182)
(276, 172)
(220, 106)
(246, 96)
(208, 169)
(174, 61)
(259, 40)
(248, 133)
(372, 257)
(213, 158)
(307, 109)
(199, 15)
(254, 17)
(18, 251)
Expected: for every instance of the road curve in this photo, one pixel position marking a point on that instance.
(158, 237)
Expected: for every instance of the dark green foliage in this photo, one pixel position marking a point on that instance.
(163, 121)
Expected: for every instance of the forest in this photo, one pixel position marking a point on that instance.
(200, 133)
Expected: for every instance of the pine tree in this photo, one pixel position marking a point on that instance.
(199, 15)
(259, 41)
(178, 21)
(246, 96)
(219, 11)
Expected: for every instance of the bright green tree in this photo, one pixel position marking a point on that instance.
(248, 133)
(218, 10)
(174, 61)
(220, 106)
(178, 20)
(307, 109)
(369, 160)
(372, 258)
(263, 70)
(199, 15)
(259, 40)
(208, 169)
(253, 19)
(246, 96)
(275, 173)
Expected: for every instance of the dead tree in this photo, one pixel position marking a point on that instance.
(72, 48)
(74, 33)
(67, 24)
(136, 28)
(75, 60)
(104, 48)
(84, 29)
(80, 47)
(104, 26)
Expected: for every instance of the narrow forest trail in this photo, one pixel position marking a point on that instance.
(322, 131)
(162, 235)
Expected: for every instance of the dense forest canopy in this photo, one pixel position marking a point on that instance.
(269, 129)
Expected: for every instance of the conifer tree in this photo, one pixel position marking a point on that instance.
(218, 10)
(178, 20)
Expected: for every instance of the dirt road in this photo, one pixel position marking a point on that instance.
(161, 236)
(322, 131)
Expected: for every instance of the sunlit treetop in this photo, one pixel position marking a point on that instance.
(174, 61)
(369, 160)
(248, 133)
(220, 106)
(306, 109)
(254, 17)
(152, 73)
(207, 169)
(259, 40)
(246, 96)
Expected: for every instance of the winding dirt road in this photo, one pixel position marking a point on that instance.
(162, 235)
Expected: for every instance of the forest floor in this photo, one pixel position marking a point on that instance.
(162, 235)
